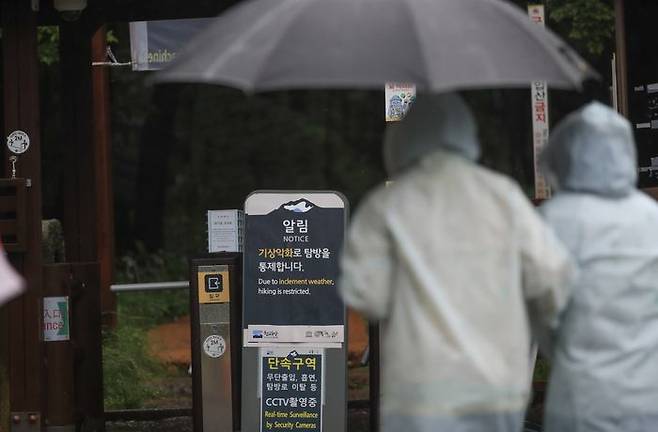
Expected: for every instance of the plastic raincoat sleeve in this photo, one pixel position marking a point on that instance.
(365, 282)
(547, 271)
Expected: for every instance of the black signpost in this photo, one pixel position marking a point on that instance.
(292, 266)
(293, 318)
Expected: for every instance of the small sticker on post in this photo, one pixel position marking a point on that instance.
(214, 346)
(214, 286)
(56, 319)
(18, 142)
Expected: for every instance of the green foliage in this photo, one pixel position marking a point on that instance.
(111, 37)
(140, 265)
(588, 24)
(147, 309)
(48, 44)
(130, 372)
(296, 140)
(127, 368)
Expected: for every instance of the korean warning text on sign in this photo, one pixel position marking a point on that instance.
(291, 393)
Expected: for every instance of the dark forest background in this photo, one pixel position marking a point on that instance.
(179, 150)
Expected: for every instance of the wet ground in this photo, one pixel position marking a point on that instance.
(175, 424)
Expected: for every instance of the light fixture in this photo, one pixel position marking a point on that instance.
(70, 10)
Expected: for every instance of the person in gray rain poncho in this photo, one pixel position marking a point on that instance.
(448, 258)
(605, 365)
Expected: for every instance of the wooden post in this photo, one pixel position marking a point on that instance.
(21, 111)
(61, 394)
(80, 202)
(375, 373)
(622, 58)
(75, 381)
(4, 371)
(81, 225)
(103, 168)
(86, 330)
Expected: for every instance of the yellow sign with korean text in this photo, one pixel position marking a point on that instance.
(213, 286)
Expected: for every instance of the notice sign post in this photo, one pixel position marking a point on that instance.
(291, 267)
(293, 317)
(215, 323)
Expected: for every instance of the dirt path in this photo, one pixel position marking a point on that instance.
(170, 342)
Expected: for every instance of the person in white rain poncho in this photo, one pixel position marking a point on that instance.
(605, 364)
(11, 284)
(448, 258)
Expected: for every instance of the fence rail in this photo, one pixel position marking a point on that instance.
(152, 286)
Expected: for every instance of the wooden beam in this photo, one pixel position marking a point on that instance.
(79, 219)
(4, 370)
(61, 394)
(21, 111)
(102, 139)
(86, 326)
(88, 210)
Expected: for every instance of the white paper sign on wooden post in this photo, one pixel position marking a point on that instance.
(540, 129)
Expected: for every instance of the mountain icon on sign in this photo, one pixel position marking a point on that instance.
(299, 206)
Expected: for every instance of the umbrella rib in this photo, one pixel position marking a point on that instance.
(259, 72)
(240, 42)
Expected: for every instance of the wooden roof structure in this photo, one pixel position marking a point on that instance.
(61, 384)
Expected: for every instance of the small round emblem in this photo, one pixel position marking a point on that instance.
(214, 346)
(18, 142)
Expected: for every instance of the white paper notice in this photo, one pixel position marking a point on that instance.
(225, 230)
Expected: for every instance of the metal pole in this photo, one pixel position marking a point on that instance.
(152, 286)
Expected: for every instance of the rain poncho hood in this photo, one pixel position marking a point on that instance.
(592, 151)
(434, 122)
(452, 259)
(604, 375)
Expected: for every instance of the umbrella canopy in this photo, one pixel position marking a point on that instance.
(438, 45)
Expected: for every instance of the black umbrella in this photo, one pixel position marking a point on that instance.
(437, 44)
